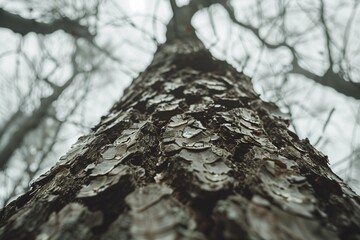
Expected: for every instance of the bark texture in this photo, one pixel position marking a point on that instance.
(189, 152)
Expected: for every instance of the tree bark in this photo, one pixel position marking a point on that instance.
(189, 152)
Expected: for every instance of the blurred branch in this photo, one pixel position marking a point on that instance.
(330, 79)
(180, 25)
(15, 138)
(18, 114)
(175, 22)
(23, 26)
(326, 32)
(128, 20)
(325, 125)
(44, 150)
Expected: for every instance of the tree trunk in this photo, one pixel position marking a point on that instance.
(190, 152)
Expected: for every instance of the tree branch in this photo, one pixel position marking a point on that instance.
(175, 23)
(329, 79)
(180, 24)
(23, 26)
(14, 138)
(29, 123)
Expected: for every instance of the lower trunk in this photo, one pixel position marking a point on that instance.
(190, 152)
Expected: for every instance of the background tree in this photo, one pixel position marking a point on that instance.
(282, 44)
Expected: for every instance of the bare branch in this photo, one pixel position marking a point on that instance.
(175, 22)
(180, 24)
(329, 79)
(28, 123)
(327, 34)
(23, 26)
(325, 125)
